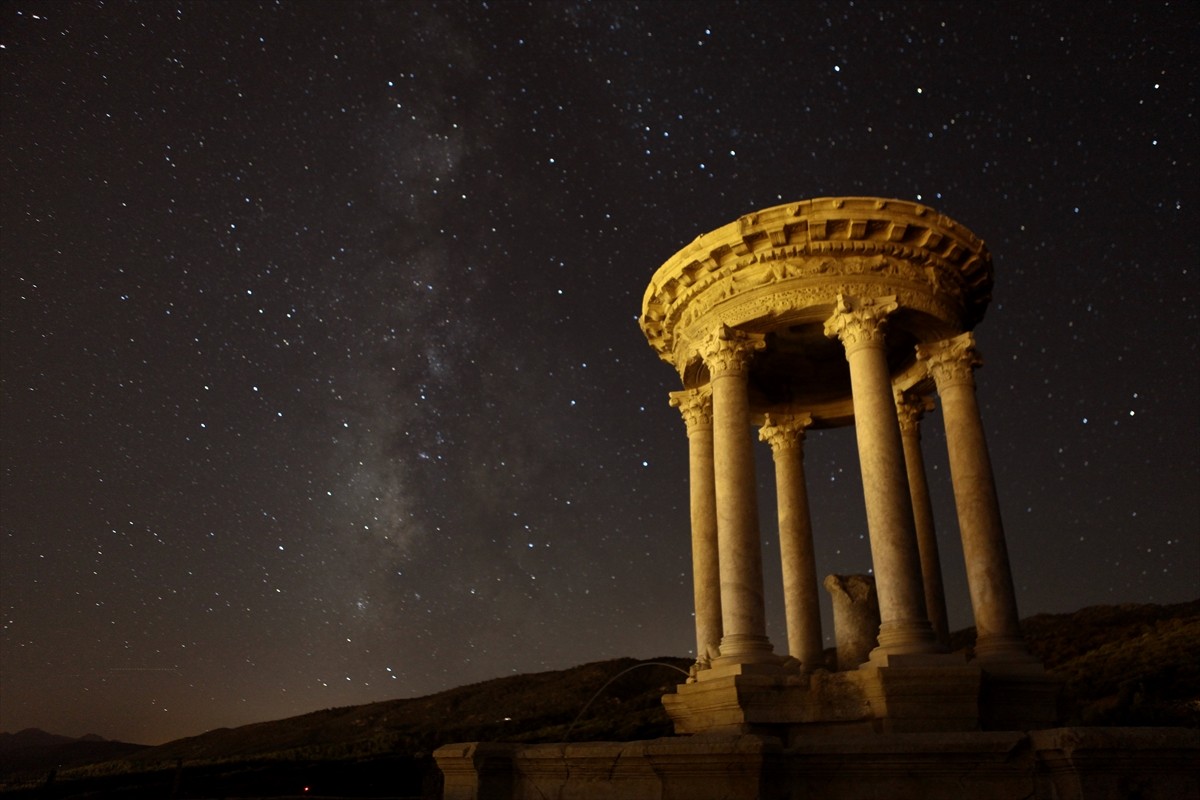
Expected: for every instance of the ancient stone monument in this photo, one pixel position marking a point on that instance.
(829, 312)
(819, 314)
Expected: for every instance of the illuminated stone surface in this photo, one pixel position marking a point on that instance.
(855, 617)
(835, 312)
(826, 313)
(1057, 764)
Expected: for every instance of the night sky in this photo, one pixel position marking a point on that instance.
(322, 381)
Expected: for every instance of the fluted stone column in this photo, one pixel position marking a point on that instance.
(802, 604)
(743, 617)
(858, 323)
(910, 409)
(989, 577)
(696, 407)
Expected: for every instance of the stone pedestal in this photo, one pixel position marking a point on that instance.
(1024, 697)
(895, 693)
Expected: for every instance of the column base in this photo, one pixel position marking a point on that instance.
(1002, 651)
(902, 637)
(741, 648)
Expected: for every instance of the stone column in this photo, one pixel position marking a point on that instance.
(989, 577)
(696, 407)
(802, 603)
(910, 408)
(743, 618)
(858, 323)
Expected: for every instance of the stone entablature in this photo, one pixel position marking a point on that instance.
(788, 264)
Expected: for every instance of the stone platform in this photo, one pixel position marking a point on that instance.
(1055, 764)
(933, 693)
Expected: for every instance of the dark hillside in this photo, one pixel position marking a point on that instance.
(1122, 665)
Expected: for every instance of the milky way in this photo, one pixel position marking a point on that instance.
(321, 378)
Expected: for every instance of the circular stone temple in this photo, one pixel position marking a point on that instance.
(816, 314)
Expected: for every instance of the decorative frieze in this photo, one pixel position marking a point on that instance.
(889, 240)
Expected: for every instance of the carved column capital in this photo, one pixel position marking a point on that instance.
(696, 407)
(784, 431)
(860, 321)
(910, 409)
(951, 361)
(727, 351)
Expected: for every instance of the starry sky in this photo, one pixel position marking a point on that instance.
(322, 381)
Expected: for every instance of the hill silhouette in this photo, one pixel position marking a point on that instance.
(1122, 665)
(34, 750)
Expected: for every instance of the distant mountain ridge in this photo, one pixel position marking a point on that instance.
(1122, 665)
(35, 750)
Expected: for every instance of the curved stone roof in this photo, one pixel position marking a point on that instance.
(773, 268)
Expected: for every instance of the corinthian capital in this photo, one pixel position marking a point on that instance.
(784, 431)
(696, 407)
(910, 408)
(859, 321)
(951, 361)
(727, 350)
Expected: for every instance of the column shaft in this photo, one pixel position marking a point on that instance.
(801, 598)
(910, 410)
(989, 576)
(743, 616)
(696, 407)
(904, 627)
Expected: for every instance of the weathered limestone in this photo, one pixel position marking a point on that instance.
(744, 628)
(744, 314)
(989, 578)
(801, 602)
(696, 407)
(816, 311)
(855, 618)
(904, 627)
(910, 408)
(1057, 764)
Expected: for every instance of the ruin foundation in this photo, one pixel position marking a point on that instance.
(1056, 764)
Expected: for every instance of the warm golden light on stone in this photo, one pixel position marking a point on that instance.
(820, 314)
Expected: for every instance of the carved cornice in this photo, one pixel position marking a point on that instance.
(784, 431)
(951, 361)
(910, 409)
(727, 351)
(696, 407)
(893, 244)
(859, 321)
